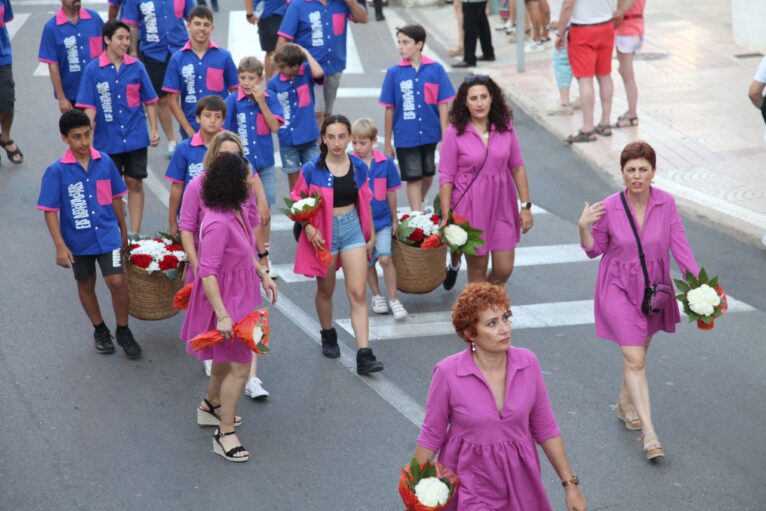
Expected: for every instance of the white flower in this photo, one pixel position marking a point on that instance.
(418, 220)
(455, 235)
(180, 254)
(153, 266)
(703, 300)
(257, 334)
(431, 492)
(300, 205)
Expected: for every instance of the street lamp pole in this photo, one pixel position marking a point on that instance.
(520, 35)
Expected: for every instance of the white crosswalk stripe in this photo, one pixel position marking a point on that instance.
(18, 21)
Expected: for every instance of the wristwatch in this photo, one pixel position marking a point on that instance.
(263, 254)
(526, 205)
(574, 481)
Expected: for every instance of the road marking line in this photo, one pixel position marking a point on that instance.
(525, 256)
(243, 38)
(18, 22)
(42, 68)
(539, 315)
(353, 62)
(156, 186)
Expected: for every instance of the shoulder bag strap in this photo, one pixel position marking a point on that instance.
(638, 240)
(486, 155)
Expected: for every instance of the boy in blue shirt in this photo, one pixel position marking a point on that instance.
(186, 163)
(113, 91)
(199, 69)
(81, 197)
(254, 114)
(70, 40)
(383, 183)
(416, 93)
(268, 14)
(293, 87)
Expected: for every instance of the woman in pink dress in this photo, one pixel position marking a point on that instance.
(226, 289)
(481, 171)
(605, 231)
(487, 408)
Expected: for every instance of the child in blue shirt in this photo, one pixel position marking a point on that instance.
(254, 114)
(383, 183)
(293, 87)
(81, 197)
(416, 93)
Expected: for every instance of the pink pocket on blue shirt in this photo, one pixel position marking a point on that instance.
(261, 128)
(304, 96)
(104, 192)
(338, 23)
(380, 188)
(431, 91)
(214, 79)
(178, 7)
(96, 46)
(133, 94)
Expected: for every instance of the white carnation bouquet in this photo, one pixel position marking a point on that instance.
(703, 298)
(427, 487)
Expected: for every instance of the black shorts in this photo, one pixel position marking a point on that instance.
(131, 164)
(84, 266)
(415, 163)
(156, 71)
(7, 90)
(267, 32)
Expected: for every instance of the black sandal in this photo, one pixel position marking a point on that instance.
(12, 154)
(229, 455)
(210, 418)
(581, 136)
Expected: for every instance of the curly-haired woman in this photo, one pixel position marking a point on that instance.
(225, 291)
(481, 171)
(487, 408)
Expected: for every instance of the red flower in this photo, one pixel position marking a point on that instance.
(169, 262)
(459, 219)
(133, 246)
(432, 241)
(416, 235)
(181, 299)
(404, 217)
(174, 247)
(435, 219)
(160, 240)
(141, 260)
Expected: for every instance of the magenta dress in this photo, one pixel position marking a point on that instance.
(490, 203)
(193, 211)
(227, 250)
(493, 454)
(620, 281)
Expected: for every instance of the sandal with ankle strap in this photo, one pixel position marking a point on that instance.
(231, 454)
(653, 452)
(12, 154)
(629, 416)
(210, 418)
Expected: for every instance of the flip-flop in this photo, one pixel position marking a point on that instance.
(12, 154)
(626, 122)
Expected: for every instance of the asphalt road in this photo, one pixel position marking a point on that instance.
(92, 432)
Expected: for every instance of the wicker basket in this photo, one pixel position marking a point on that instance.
(418, 271)
(151, 295)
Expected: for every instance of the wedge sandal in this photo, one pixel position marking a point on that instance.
(208, 417)
(629, 416)
(231, 454)
(652, 452)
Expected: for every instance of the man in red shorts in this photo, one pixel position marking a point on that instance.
(590, 43)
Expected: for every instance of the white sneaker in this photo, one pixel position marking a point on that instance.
(534, 47)
(208, 366)
(255, 390)
(379, 305)
(398, 309)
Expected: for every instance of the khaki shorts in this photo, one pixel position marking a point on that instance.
(325, 93)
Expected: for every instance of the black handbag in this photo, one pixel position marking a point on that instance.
(655, 295)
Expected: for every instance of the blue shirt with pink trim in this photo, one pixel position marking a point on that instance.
(194, 78)
(273, 8)
(186, 163)
(384, 178)
(321, 29)
(244, 117)
(118, 97)
(161, 27)
(71, 46)
(415, 97)
(296, 96)
(83, 200)
(6, 16)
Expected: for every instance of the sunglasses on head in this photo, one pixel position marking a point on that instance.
(472, 78)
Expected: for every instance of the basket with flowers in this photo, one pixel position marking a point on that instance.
(419, 255)
(154, 268)
(427, 486)
(703, 298)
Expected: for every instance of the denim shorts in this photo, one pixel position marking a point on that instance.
(415, 163)
(382, 244)
(346, 232)
(296, 155)
(269, 180)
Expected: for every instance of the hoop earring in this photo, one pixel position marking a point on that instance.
(473, 347)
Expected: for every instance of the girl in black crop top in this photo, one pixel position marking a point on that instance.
(344, 189)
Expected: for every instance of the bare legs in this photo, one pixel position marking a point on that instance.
(458, 49)
(166, 118)
(635, 385)
(118, 287)
(227, 380)
(135, 203)
(389, 276)
(629, 81)
(588, 99)
(417, 191)
(502, 267)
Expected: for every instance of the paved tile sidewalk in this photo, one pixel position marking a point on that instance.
(693, 109)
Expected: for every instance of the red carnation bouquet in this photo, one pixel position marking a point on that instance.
(420, 230)
(304, 210)
(253, 330)
(427, 486)
(181, 298)
(161, 253)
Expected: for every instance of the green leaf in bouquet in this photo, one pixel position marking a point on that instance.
(693, 316)
(415, 470)
(437, 205)
(170, 274)
(702, 277)
(262, 348)
(681, 285)
(706, 319)
(713, 282)
(681, 297)
(429, 470)
(692, 280)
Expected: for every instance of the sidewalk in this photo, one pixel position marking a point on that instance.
(693, 108)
